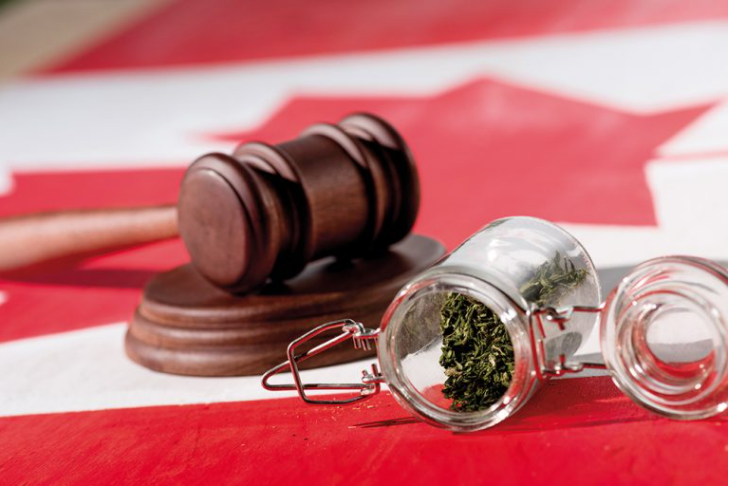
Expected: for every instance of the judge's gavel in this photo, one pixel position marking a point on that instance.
(343, 190)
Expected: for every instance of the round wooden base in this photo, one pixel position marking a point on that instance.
(185, 325)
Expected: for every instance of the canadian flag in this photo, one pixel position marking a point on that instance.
(608, 117)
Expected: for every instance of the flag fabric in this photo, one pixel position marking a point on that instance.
(607, 117)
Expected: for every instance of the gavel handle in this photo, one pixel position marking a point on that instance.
(41, 237)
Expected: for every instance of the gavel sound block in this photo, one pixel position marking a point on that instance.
(343, 196)
(185, 325)
(281, 238)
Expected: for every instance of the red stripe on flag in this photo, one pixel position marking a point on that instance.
(217, 31)
(578, 431)
(53, 191)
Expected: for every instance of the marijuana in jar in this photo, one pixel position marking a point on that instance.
(477, 353)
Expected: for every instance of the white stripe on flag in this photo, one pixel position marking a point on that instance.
(142, 117)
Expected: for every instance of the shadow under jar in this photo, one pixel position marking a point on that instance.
(662, 330)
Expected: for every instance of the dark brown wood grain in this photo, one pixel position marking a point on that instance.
(267, 210)
(261, 213)
(185, 325)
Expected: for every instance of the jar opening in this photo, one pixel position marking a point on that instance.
(454, 353)
(671, 345)
(664, 337)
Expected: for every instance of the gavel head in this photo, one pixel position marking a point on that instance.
(343, 190)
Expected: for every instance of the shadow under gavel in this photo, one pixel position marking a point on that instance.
(263, 212)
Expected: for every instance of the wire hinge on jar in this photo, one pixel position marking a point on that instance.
(362, 338)
(559, 317)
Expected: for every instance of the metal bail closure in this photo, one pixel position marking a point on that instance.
(539, 319)
(362, 339)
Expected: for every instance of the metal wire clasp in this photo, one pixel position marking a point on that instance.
(537, 316)
(362, 338)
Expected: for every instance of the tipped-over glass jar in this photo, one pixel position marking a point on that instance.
(467, 342)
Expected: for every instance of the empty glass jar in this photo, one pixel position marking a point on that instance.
(662, 330)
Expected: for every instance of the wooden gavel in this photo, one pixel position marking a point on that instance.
(263, 212)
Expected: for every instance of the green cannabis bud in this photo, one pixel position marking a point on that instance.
(477, 353)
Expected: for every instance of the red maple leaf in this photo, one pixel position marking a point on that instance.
(485, 150)
(488, 149)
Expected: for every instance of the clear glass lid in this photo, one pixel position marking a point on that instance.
(664, 336)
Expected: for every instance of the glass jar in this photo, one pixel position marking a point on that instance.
(662, 330)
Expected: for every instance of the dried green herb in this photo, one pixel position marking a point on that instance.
(552, 280)
(477, 353)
